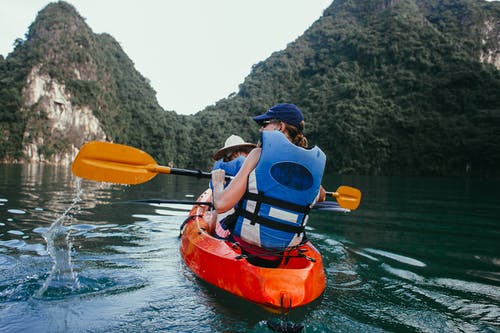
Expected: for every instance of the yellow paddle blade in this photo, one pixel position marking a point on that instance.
(347, 197)
(114, 163)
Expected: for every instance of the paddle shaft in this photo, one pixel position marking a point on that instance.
(184, 172)
(176, 171)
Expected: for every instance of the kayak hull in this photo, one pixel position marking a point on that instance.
(297, 281)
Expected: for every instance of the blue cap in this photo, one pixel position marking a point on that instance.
(288, 113)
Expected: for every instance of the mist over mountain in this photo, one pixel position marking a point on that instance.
(386, 86)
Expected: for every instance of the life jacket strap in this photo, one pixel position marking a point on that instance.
(270, 223)
(261, 198)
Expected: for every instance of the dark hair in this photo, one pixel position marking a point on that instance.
(296, 136)
(229, 156)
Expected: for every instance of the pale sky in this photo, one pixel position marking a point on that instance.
(194, 52)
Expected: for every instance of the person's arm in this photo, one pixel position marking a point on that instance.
(322, 194)
(225, 199)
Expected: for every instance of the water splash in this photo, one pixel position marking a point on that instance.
(62, 278)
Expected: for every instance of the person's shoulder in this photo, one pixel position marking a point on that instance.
(252, 158)
(255, 153)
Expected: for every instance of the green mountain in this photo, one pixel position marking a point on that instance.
(65, 85)
(387, 87)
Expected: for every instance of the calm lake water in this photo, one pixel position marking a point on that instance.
(419, 255)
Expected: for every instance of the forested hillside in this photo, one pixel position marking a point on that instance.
(96, 73)
(387, 87)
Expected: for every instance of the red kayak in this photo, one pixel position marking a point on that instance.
(298, 280)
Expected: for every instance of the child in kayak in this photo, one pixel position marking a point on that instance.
(229, 158)
(275, 188)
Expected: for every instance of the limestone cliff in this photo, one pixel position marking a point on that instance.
(75, 86)
(45, 98)
(62, 49)
(490, 40)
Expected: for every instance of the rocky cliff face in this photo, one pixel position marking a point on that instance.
(63, 49)
(73, 86)
(63, 123)
(491, 43)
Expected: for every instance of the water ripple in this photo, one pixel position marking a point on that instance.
(15, 232)
(472, 288)
(404, 274)
(170, 212)
(361, 253)
(397, 257)
(13, 243)
(463, 307)
(16, 211)
(7, 261)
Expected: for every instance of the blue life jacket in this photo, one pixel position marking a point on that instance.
(281, 190)
(231, 168)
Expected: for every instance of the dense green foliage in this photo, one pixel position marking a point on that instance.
(387, 87)
(12, 76)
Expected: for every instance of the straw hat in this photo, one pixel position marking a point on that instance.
(232, 144)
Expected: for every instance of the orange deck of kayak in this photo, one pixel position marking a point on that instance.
(296, 282)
